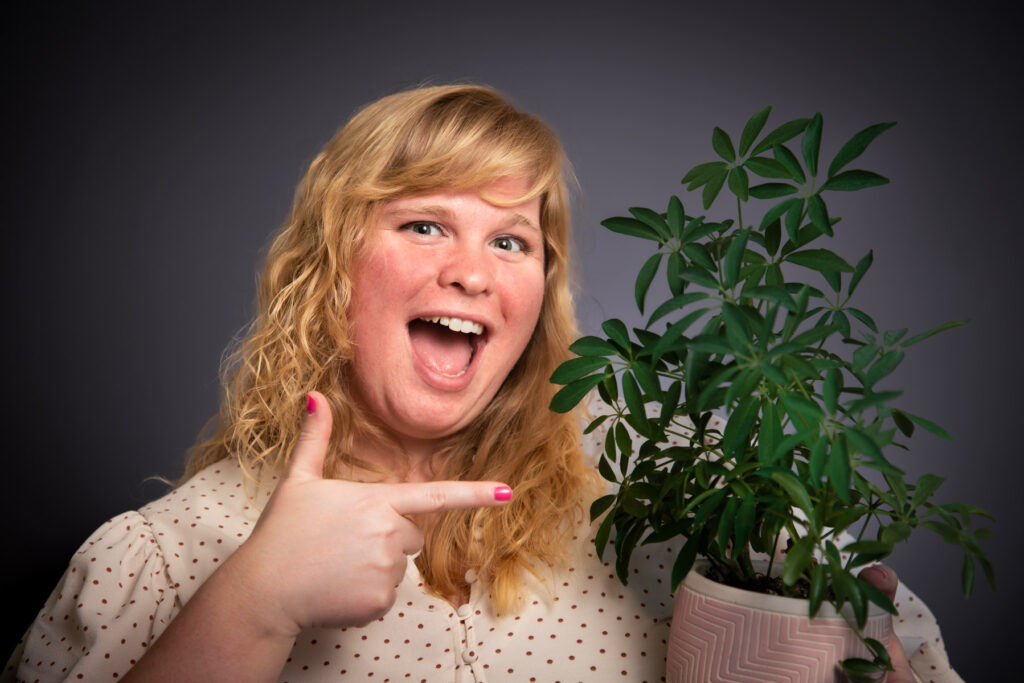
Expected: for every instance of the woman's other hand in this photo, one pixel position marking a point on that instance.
(884, 579)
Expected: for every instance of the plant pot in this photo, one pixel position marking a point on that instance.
(721, 633)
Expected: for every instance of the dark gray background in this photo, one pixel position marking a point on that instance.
(150, 152)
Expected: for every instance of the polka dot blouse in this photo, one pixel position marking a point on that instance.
(132, 576)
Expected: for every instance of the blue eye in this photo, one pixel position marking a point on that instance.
(509, 244)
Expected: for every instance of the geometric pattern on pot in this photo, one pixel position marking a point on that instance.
(713, 638)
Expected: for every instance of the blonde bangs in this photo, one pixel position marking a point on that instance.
(447, 137)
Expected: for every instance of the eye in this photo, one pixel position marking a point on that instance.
(507, 243)
(424, 228)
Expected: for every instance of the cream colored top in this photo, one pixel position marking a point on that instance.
(134, 574)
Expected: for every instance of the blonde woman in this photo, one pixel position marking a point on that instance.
(384, 492)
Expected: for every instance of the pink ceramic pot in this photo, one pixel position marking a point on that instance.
(720, 633)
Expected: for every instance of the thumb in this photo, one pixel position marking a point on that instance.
(883, 578)
(307, 459)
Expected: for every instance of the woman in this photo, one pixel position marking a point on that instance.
(388, 399)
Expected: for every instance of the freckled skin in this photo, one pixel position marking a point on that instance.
(444, 253)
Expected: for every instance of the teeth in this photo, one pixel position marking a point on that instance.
(456, 324)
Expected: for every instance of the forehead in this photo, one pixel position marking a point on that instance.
(504, 196)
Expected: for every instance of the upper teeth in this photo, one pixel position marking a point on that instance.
(456, 324)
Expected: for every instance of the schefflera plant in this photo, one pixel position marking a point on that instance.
(800, 375)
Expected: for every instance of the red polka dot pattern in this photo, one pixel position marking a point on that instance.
(131, 577)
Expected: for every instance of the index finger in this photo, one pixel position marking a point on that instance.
(434, 496)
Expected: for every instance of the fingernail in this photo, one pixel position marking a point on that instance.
(502, 493)
(878, 571)
(310, 404)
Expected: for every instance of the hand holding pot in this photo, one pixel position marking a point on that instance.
(884, 579)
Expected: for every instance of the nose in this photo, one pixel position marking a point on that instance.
(468, 269)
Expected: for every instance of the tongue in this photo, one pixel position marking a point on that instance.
(441, 349)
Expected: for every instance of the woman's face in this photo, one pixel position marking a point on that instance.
(444, 301)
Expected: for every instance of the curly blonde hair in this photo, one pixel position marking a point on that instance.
(451, 137)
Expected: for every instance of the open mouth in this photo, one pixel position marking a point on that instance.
(444, 344)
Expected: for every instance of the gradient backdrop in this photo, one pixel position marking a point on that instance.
(150, 152)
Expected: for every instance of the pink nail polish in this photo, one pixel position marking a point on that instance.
(502, 493)
(310, 404)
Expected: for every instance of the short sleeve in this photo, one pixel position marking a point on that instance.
(113, 601)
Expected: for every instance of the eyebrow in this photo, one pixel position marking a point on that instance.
(446, 214)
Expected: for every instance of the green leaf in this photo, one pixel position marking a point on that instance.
(817, 592)
(710, 343)
(674, 304)
(849, 181)
(737, 430)
(798, 559)
(575, 368)
(772, 237)
(769, 435)
(863, 317)
(722, 144)
(794, 215)
(903, 423)
(598, 507)
(674, 333)
(631, 227)
(568, 396)
(617, 332)
(833, 385)
(820, 260)
(893, 336)
(856, 145)
(795, 491)
(768, 191)
(786, 131)
(930, 426)
(675, 264)
(697, 229)
(734, 257)
(752, 128)
(644, 279)
(648, 380)
(883, 367)
(603, 531)
(712, 188)
(863, 355)
(816, 464)
(701, 173)
(745, 520)
(859, 271)
(839, 470)
(684, 561)
(924, 335)
(739, 183)
(967, 575)
(592, 346)
(766, 167)
(925, 487)
(623, 442)
(653, 220)
(676, 216)
(631, 392)
(818, 213)
(595, 423)
(790, 162)
(699, 254)
(699, 276)
(812, 143)
(725, 524)
(776, 212)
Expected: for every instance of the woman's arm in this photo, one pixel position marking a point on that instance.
(324, 553)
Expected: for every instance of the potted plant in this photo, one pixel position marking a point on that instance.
(801, 467)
